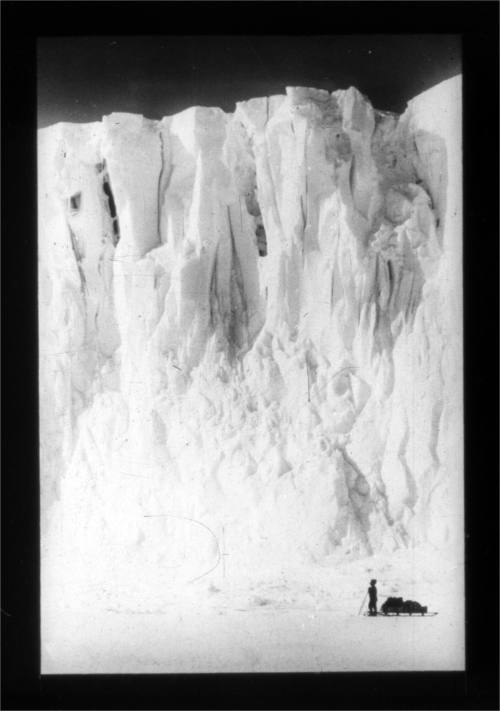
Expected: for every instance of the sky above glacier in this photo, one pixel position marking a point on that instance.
(83, 78)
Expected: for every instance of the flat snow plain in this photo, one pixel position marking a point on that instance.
(282, 626)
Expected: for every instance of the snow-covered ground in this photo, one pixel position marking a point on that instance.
(251, 386)
(282, 626)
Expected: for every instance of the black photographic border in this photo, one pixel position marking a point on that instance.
(22, 685)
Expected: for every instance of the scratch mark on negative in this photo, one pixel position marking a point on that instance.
(199, 523)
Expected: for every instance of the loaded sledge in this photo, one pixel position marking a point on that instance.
(398, 606)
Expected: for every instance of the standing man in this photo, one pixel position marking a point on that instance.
(372, 604)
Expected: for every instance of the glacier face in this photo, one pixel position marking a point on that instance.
(250, 331)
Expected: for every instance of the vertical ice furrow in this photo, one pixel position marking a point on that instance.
(213, 296)
(437, 411)
(78, 259)
(359, 495)
(411, 485)
(110, 205)
(160, 184)
(238, 324)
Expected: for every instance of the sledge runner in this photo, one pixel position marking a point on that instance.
(372, 604)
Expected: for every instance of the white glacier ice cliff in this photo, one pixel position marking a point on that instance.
(250, 338)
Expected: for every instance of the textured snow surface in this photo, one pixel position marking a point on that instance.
(251, 370)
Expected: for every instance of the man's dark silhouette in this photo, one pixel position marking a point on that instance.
(372, 592)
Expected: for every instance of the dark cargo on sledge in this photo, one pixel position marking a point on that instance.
(397, 606)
